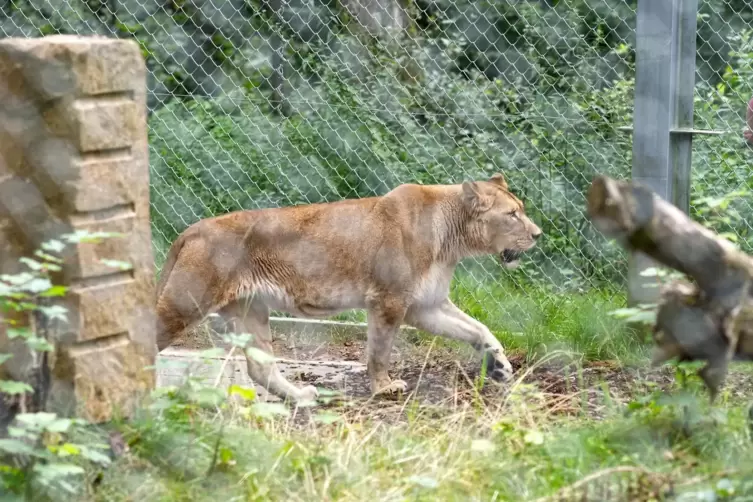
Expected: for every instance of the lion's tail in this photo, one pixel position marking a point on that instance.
(172, 257)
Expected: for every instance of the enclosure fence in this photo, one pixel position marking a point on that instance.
(259, 103)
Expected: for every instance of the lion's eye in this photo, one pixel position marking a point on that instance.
(514, 214)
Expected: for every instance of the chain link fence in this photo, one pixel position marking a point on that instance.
(722, 158)
(259, 103)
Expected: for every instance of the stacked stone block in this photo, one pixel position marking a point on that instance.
(74, 156)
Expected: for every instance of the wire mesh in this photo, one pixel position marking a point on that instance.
(266, 103)
(724, 90)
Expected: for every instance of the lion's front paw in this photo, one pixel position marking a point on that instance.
(307, 394)
(498, 368)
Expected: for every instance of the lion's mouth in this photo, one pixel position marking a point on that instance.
(509, 258)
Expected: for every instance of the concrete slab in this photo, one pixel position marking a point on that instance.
(293, 329)
(222, 368)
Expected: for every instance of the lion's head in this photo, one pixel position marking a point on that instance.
(499, 223)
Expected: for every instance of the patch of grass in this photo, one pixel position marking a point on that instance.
(538, 321)
(179, 451)
(193, 443)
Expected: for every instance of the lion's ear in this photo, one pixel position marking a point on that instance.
(474, 199)
(499, 180)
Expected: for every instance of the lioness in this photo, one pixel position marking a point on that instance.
(393, 255)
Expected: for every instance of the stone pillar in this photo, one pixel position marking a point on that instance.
(74, 156)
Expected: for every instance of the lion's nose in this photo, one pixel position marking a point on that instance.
(536, 234)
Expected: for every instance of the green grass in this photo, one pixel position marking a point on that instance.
(537, 321)
(180, 452)
(193, 444)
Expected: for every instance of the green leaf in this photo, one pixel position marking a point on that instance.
(12, 387)
(45, 421)
(59, 425)
(18, 333)
(32, 264)
(84, 236)
(47, 257)
(17, 279)
(5, 357)
(55, 291)
(54, 471)
(244, 392)
(724, 488)
(95, 456)
(53, 246)
(16, 447)
(37, 285)
(207, 396)
(54, 312)
(68, 449)
(13, 304)
(730, 236)
(645, 314)
(20, 432)
(35, 419)
(226, 456)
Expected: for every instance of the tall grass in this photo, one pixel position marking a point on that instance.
(517, 452)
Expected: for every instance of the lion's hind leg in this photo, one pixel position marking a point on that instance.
(183, 303)
(250, 316)
(195, 282)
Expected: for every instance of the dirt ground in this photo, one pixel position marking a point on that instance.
(442, 377)
(445, 378)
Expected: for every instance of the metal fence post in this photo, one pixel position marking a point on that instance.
(663, 116)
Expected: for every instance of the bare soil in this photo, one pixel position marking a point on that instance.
(441, 377)
(445, 378)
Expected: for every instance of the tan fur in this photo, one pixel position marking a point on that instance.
(393, 255)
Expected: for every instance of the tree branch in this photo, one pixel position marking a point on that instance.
(708, 319)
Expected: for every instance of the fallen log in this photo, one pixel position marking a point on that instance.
(706, 317)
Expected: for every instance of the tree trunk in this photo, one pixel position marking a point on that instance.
(708, 319)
